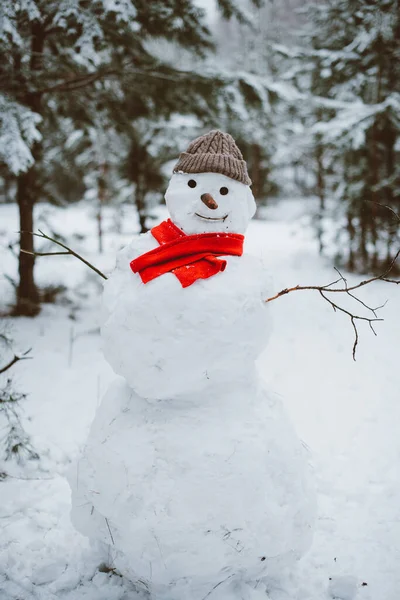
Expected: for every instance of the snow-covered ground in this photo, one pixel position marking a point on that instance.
(348, 413)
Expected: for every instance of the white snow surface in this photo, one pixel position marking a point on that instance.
(343, 587)
(345, 412)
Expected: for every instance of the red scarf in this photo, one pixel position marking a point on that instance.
(189, 257)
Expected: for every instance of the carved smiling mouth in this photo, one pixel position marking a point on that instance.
(211, 218)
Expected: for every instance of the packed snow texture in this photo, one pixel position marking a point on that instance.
(194, 490)
(236, 204)
(343, 587)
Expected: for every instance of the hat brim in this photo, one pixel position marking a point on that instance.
(213, 163)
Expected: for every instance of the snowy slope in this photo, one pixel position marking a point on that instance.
(347, 413)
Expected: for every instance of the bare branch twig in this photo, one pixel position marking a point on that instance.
(397, 217)
(67, 248)
(328, 289)
(43, 253)
(109, 530)
(346, 289)
(15, 360)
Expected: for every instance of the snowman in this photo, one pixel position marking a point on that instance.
(192, 479)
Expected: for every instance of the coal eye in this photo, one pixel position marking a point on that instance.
(223, 191)
(192, 183)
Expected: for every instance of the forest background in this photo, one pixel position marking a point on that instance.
(97, 98)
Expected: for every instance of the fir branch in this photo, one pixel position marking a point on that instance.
(17, 442)
(76, 82)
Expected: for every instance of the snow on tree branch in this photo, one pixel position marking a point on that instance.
(352, 121)
(18, 131)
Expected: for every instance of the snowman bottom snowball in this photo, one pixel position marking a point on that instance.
(185, 494)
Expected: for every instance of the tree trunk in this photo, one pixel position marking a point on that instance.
(375, 164)
(28, 300)
(364, 222)
(100, 225)
(321, 193)
(351, 232)
(140, 201)
(27, 292)
(256, 170)
(102, 192)
(390, 219)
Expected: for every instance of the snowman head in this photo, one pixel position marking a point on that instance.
(209, 190)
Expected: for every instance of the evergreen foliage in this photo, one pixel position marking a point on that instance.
(350, 67)
(252, 112)
(15, 443)
(95, 96)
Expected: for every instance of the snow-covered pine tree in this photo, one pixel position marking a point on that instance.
(251, 108)
(355, 81)
(152, 144)
(53, 49)
(305, 155)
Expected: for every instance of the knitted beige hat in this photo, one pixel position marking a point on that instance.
(214, 152)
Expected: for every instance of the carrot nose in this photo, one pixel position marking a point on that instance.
(209, 201)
